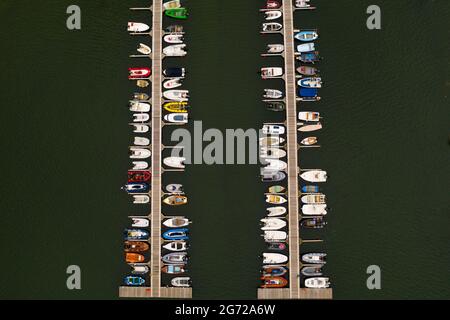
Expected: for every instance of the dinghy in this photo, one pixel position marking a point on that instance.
(135, 246)
(313, 198)
(141, 199)
(134, 281)
(275, 165)
(314, 223)
(272, 27)
(313, 82)
(317, 283)
(141, 117)
(273, 282)
(176, 106)
(176, 118)
(276, 106)
(176, 95)
(139, 153)
(309, 57)
(176, 234)
(174, 188)
(274, 199)
(136, 234)
(136, 187)
(275, 236)
(136, 27)
(176, 222)
(273, 129)
(303, 5)
(176, 50)
(307, 71)
(140, 222)
(174, 72)
(275, 48)
(177, 13)
(181, 282)
(310, 189)
(175, 200)
(312, 271)
(172, 83)
(277, 189)
(272, 94)
(136, 106)
(271, 72)
(271, 141)
(174, 162)
(309, 116)
(176, 246)
(173, 269)
(313, 257)
(139, 269)
(274, 258)
(314, 176)
(272, 224)
(174, 29)
(175, 258)
(144, 49)
(172, 4)
(142, 83)
(273, 14)
(314, 209)
(310, 127)
(276, 211)
(272, 176)
(173, 38)
(140, 165)
(277, 246)
(272, 153)
(306, 35)
(272, 4)
(309, 141)
(306, 47)
(274, 270)
(141, 96)
(141, 141)
(134, 258)
(139, 175)
(138, 73)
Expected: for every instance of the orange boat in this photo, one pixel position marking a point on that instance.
(134, 257)
(135, 246)
(273, 282)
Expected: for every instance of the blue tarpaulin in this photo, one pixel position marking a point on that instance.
(307, 92)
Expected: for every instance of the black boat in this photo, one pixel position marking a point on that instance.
(276, 106)
(174, 72)
(278, 246)
(312, 271)
(314, 223)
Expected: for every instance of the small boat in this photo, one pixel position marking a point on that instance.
(275, 236)
(278, 246)
(175, 200)
(271, 72)
(312, 271)
(172, 83)
(177, 95)
(172, 4)
(176, 118)
(306, 35)
(314, 209)
(307, 70)
(314, 176)
(135, 246)
(271, 141)
(144, 49)
(306, 47)
(140, 165)
(134, 257)
(175, 258)
(176, 106)
(272, 94)
(272, 176)
(135, 27)
(272, 224)
(176, 222)
(274, 258)
(276, 106)
(273, 14)
(174, 29)
(276, 211)
(273, 129)
(316, 258)
(133, 187)
(309, 116)
(141, 141)
(176, 234)
(141, 117)
(177, 13)
(142, 83)
(181, 282)
(309, 57)
(173, 269)
(174, 72)
(310, 189)
(275, 165)
(139, 153)
(139, 269)
(140, 128)
(277, 189)
(273, 199)
(310, 127)
(174, 162)
(134, 281)
(136, 106)
(176, 50)
(141, 96)
(136, 234)
(309, 141)
(303, 5)
(140, 222)
(313, 82)
(138, 73)
(317, 282)
(174, 188)
(141, 199)
(139, 175)
(313, 198)
(273, 282)
(275, 48)
(272, 27)
(176, 246)
(272, 153)
(308, 94)
(314, 223)
(274, 270)
(272, 4)
(173, 38)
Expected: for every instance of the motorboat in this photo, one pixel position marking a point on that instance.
(274, 199)
(306, 47)
(141, 199)
(144, 49)
(274, 258)
(273, 129)
(273, 282)
(175, 258)
(174, 28)
(310, 127)
(141, 187)
(273, 14)
(176, 106)
(174, 72)
(314, 176)
(271, 72)
(307, 35)
(176, 118)
(176, 50)
(173, 269)
(136, 234)
(308, 94)
(140, 165)
(173, 38)
(176, 234)
(174, 162)
(272, 176)
(309, 57)
(272, 4)
(141, 117)
(134, 257)
(307, 70)
(310, 189)
(139, 73)
(172, 4)
(277, 246)
(139, 269)
(176, 222)
(314, 223)
(174, 188)
(276, 211)
(303, 5)
(134, 281)
(314, 209)
(317, 198)
(136, 106)
(140, 222)
(177, 13)
(172, 83)
(276, 106)
(272, 94)
(140, 128)
(271, 141)
(176, 246)
(315, 258)
(135, 246)
(272, 153)
(274, 270)
(275, 165)
(313, 82)
(275, 236)
(175, 200)
(181, 282)
(277, 189)
(275, 48)
(176, 95)
(312, 271)
(317, 282)
(140, 96)
(141, 141)
(139, 153)
(309, 141)
(272, 27)
(142, 83)
(309, 116)
(272, 224)
(139, 175)
(136, 27)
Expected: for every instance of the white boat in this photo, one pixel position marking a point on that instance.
(176, 246)
(309, 127)
(314, 176)
(140, 128)
(317, 198)
(314, 209)
(176, 95)
(303, 4)
(181, 282)
(176, 117)
(139, 269)
(314, 257)
(137, 27)
(306, 47)
(312, 82)
(317, 282)
(172, 83)
(141, 141)
(309, 141)
(275, 165)
(173, 38)
(275, 48)
(140, 165)
(276, 211)
(136, 106)
(272, 27)
(140, 198)
(274, 258)
(174, 162)
(176, 50)
(275, 236)
(173, 4)
(144, 49)
(141, 117)
(140, 222)
(176, 222)
(272, 224)
(309, 116)
(271, 141)
(273, 129)
(275, 199)
(272, 153)
(272, 94)
(271, 72)
(174, 188)
(273, 14)
(139, 153)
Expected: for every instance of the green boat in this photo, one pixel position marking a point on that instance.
(177, 13)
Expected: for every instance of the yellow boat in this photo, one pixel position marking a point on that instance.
(142, 83)
(175, 200)
(176, 106)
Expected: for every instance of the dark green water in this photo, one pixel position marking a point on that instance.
(64, 135)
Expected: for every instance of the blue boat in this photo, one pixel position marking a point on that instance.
(307, 92)
(306, 35)
(136, 187)
(134, 281)
(176, 234)
(136, 234)
(310, 189)
(313, 82)
(309, 57)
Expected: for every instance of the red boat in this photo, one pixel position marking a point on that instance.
(138, 73)
(139, 175)
(273, 282)
(272, 4)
